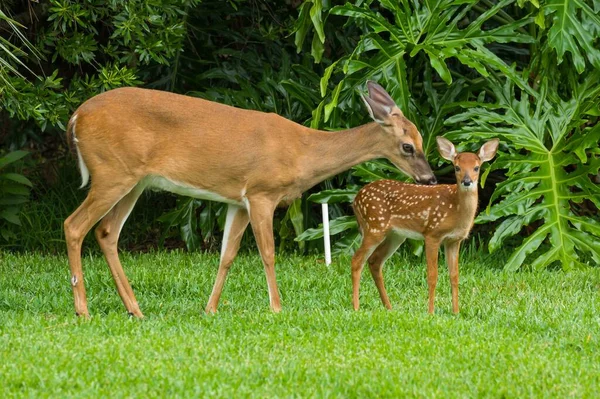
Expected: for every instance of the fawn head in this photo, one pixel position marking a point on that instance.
(467, 164)
(404, 147)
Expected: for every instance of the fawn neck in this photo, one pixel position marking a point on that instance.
(467, 202)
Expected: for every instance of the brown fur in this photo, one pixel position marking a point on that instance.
(388, 211)
(251, 159)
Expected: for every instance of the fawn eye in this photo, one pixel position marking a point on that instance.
(476, 168)
(457, 168)
(409, 149)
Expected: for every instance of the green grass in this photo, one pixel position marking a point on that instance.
(518, 334)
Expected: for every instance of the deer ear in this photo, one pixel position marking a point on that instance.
(378, 102)
(446, 148)
(488, 150)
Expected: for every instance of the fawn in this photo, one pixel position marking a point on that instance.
(389, 211)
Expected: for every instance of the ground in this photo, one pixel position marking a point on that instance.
(517, 335)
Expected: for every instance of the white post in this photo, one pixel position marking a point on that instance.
(326, 242)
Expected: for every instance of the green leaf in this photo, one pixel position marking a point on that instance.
(575, 28)
(316, 16)
(326, 76)
(10, 215)
(187, 227)
(530, 244)
(333, 196)
(336, 226)
(440, 66)
(348, 244)
(17, 178)
(334, 101)
(302, 24)
(14, 200)
(12, 157)
(317, 49)
(15, 189)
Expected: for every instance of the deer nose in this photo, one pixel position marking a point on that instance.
(467, 182)
(426, 180)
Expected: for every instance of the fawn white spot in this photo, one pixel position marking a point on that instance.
(74, 281)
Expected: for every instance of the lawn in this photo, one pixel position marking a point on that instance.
(518, 334)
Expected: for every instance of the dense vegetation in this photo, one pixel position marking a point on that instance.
(523, 71)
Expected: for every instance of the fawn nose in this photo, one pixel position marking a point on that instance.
(467, 182)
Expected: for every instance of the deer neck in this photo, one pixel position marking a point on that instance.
(330, 153)
(468, 202)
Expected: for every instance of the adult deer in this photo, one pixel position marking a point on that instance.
(389, 211)
(129, 139)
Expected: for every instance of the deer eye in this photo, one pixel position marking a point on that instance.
(457, 168)
(476, 168)
(407, 148)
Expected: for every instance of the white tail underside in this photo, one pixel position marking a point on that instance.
(83, 170)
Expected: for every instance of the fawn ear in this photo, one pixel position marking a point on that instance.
(378, 102)
(488, 150)
(446, 148)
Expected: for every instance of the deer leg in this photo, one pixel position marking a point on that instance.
(452, 249)
(431, 252)
(261, 218)
(235, 225)
(367, 247)
(376, 261)
(99, 201)
(107, 235)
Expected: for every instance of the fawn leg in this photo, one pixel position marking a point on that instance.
(452, 249)
(369, 244)
(376, 261)
(432, 247)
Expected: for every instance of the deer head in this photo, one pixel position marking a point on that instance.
(404, 142)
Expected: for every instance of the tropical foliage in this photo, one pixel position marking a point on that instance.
(14, 191)
(553, 151)
(475, 70)
(524, 71)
